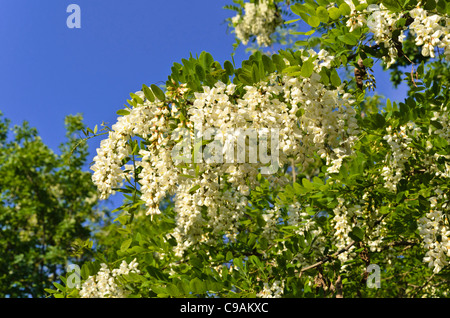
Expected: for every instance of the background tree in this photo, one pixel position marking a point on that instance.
(48, 205)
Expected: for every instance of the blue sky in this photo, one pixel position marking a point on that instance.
(48, 71)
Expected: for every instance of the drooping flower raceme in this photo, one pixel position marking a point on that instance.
(224, 138)
(259, 20)
(399, 155)
(274, 291)
(403, 160)
(429, 31)
(433, 227)
(104, 284)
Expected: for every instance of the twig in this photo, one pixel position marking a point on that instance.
(423, 286)
(293, 170)
(328, 258)
(339, 287)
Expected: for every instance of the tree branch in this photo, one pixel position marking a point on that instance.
(327, 259)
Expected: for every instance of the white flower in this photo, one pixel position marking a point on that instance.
(434, 231)
(104, 285)
(304, 116)
(260, 20)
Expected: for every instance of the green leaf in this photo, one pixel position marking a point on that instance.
(384, 210)
(322, 14)
(173, 290)
(228, 66)
(197, 286)
(200, 72)
(307, 184)
(158, 92)
(361, 7)
(392, 5)
(436, 124)
(268, 64)
(148, 93)
(245, 79)
(279, 62)
(125, 245)
(379, 120)
(60, 287)
(291, 21)
(430, 5)
(206, 60)
(255, 260)
(334, 77)
(348, 38)
(297, 9)
(368, 62)
(334, 13)
(298, 189)
(313, 21)
(122, 112)
(317, 180)
(292, 69)
(255, 73)
(356, 234)
(304, 33)
(136, 98)
(345, 9)
(324, 76)
(441, 6)
(307, 69)
(194, 188)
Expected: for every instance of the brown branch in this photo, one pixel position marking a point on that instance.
(407, 244)
(293, 170)
(327, 259)
(360, 73)
(423, 286)
(339, 287)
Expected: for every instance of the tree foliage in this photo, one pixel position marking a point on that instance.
(360, 184)
(48, 205)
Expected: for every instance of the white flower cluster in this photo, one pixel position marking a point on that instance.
(376, 236)
(343, 225)
(104, 284)
(434, 228)
(271, 218)
(442, 117)
(401, 150)
(309, 118)
(274, 291)
(297, 216)
(382, 23)
(376, 229)
(355, 19)
(260, 20)
(430, 31)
